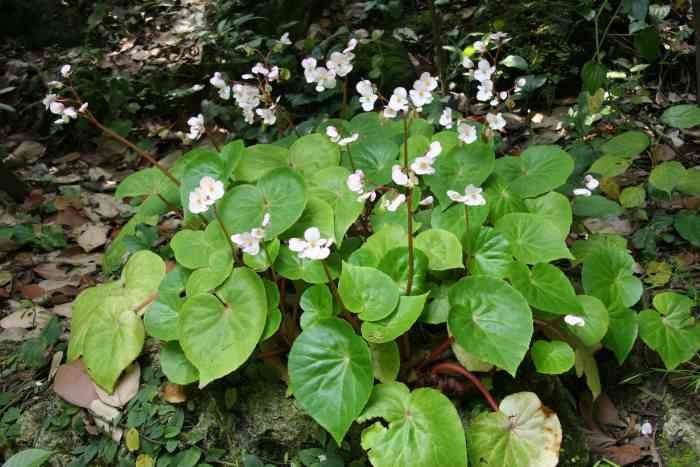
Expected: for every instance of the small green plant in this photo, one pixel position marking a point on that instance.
(378, 223)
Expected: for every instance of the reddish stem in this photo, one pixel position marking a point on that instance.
(455, 369)
(437, 351)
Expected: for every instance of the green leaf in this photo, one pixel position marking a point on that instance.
(586, 365)
(533, 238)
(690, 183)
(387, 238)
(443, 249)
(552, 358)
(666, 175)
(375, 156)
(261, 262)
(593, 76)
(462, 166)
(330, 184)
(582, 248)
(198, 163)
(501, 199)
(317, 303)
(314, 152)
(438, 309)
(629, 144)
(161, 317)
(317, 213)
(330, 374)
(208, 252)
(622, 332)
(452, 219)
(688, 225)
(597, 321)
(219, 334)
(395, 265)
(515, 61)
(146, 182)
(386, 361)
(648, 43)
(545, 287)
(280, 192)
(397, 323)
(490, 320)
(28, 458)
(370, 293)
(290, 266)
(541, 169)
(424, 428)
(608, 275)
(523, 433)
(682, 116)
(671, 330)
(490, 254)
(274, 315)
(260, 159)
(175, 365)
(232, 153)
(611, 165)
(633, 196)
(554, 207)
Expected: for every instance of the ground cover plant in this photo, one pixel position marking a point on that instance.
(389, 240)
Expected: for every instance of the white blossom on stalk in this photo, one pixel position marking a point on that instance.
(324, 78)
(446, 118)
(260, 69)
(67, 115)
(285, 40)
(352, 43)
(427, 201)
(401, 178)
(423, 166)
(220, 83)
(466, 133)
(66, 71)
(485, 91)
(499, 37)
(50, 99)
(83, 108)
(398, 102)
(340, 63)
(467, 62)
(496, 121)
(394, 204)
(582, 192)
(480, 46)
(197, 202)
(312, 246)
(356, 181)
(426, 82)
(472, 196)
(367, 95)
(646, 429)
(196, 127)
(573, 320)
(484, 71)
(591, 182)
(248, 242)
(371, 195)
(309, 66)
(268, 115)
(434, 150)
(332, 133)
(212, 189)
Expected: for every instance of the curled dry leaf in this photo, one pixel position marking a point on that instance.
(73, 384)
(125, 389)
(174, 393)
(26, 318)
(55, 363)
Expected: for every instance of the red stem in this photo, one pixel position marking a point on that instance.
(437, 351)
(455, 369)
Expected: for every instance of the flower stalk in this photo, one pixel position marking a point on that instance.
(409, 208)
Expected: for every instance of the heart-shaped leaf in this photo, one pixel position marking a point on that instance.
(395, 265)
(595, 315)
(317, 303)
(424, 428)
(259, 159)
(552, 358)
(374, 156)
(397, 323)
(523, 433)
(314, 152)
(554, 207)
(629, 144)
(490, 254)
(541, 169)
(443, 249)
(491, 320)
(545, 287)
(175, 365)
(330, 374)
(370, 293)
(533, 238)
(608, 274)
(219, 332)
(463, 165)
(622, 332)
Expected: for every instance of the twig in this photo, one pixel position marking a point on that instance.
(453, 368)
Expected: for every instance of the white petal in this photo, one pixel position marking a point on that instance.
(311, 234)
(582, 192)
(573, 320)
(297, 244)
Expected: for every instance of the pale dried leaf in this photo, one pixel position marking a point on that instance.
(126, 388)
(73, 384)
(92, 236)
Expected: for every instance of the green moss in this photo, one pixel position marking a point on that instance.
(680, 455)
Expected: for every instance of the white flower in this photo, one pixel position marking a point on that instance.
(308, 63)
(371, 195)
(484, 71)
(274, 74)
(225, 93)
(268, 115)
(349, 139)
(496, 121)
(247, 76)
(197, 203)
(394, 204)
(503, 95)
(573, 320)
(427, 201)
(66, 71)
(211, 189)
(324, 78)
(367, 102)
(434, 150)
(258, 232)
(83, 108)
(312, 246)
(480, 46)
(285, 39)
(499, 36)
(219, 83)
(467, 62)
(446, 118)
(248, 242)
(332, 133)
(197, 87)
(420, 97)
(646, 429)
(249, 116)
(472, 196)
(485, 92)
(397, 103)
(67, 113)
(520, 83)
(196, 127)
(426, 82)
(590, 182)
(352, 43)
(589, 16)
(247, 97)
(401, 178)
(356, 181)
(55, 84)
(50, 99)
(423, 166)
(260, 69)
(582, 192)
(367, 96)
(466, 133)
(340, 63)
(266, 219)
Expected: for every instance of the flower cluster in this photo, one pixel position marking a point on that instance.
(58, 106)
(356, 184)
(338, 64)
(590, 184)
(249, 242)
(368, 96)
(312, 246)
(335, 136)
(472, 196)
(420, 95)
(197, 128)
(205, 195)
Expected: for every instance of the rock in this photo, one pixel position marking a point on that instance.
(681, 427)
(27, 152)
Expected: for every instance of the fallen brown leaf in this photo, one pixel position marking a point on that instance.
(73, 384)
(174, 393)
